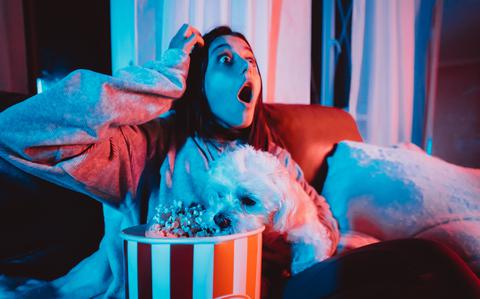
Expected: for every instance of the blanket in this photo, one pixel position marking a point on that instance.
(391, 193)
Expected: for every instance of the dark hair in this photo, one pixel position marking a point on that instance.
(192, 111)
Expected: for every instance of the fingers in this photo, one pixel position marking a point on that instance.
(186, 31)
(183, 30)
(195, 38)
(198, 35)
(200, 38)
(186, 38)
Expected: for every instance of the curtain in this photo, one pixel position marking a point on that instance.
(381, 90)
(278, 30)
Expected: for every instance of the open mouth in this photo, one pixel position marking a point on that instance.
(246, 93)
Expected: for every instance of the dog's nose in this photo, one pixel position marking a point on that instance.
(221, 220)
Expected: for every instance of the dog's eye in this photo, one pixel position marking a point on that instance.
(247, 201)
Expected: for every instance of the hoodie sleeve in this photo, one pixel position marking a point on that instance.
(91, 132)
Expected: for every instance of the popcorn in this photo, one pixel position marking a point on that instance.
(177, 221)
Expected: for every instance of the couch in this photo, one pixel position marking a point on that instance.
(47, 229)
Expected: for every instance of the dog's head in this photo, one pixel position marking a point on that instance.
(243, 189)
(246, 189)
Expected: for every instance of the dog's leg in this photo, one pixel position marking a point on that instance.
(298, 219)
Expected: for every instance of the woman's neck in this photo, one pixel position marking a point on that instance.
(221, 133)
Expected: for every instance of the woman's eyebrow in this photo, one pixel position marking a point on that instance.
(227, 45)
(219, 46)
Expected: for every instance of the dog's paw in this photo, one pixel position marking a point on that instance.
(351, 239)
(303, 257)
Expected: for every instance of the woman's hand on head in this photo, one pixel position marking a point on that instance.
(186, 38)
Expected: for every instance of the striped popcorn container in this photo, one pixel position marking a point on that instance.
(204, 267)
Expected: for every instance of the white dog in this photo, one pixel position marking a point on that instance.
(247, 189)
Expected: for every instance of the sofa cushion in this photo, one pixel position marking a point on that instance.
(392, 193)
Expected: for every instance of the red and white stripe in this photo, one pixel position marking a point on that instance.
(228, 269)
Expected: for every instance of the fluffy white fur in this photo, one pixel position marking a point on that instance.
(251, 188)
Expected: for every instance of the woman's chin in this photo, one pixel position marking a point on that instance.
(234, 119)
(242, 124)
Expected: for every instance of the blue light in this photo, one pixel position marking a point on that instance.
(428, 148)
(40, 84)
(47, 81)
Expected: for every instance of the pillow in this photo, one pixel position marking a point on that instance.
(391, 193)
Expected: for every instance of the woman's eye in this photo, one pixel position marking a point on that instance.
(250, 59)
(225, 59)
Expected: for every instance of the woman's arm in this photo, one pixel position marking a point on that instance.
(90, 132)
(94, 133)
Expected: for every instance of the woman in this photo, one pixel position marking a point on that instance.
(102, 136)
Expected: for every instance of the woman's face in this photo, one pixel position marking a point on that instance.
(232, 81)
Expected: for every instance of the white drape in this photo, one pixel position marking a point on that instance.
(381, 93)
(278, 30)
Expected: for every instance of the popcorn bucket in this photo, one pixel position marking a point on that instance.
(201, 267)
